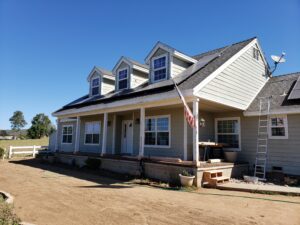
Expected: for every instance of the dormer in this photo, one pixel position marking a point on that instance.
(166, 62)
(129, 74)
(101, 82)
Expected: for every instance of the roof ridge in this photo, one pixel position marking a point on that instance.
(287, 74)
(216, 49)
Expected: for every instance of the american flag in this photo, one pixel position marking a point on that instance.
(187, 112)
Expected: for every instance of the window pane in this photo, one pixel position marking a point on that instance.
(95, 82)
(123, 84)
(163, 124)
(64, 139)
(96, 138)
(160, 62)
(232, 141)
(150, 138)
(278, 131)
(163, 138)
(122, 74)
(95, 90)
(150, 125)
(70, 130)
(160, 74)
(65, 130)
(228, 126)
(88, 128)
(96, 128)
(88, 138)
(69, 138)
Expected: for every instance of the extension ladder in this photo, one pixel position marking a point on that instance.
(262, 139)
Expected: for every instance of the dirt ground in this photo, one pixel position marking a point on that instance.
(47, 194)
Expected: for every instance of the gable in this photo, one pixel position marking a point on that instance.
(239, 83)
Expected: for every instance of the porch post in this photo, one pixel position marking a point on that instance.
(57, 135)
(142, 132)
(114, 134)
(196, 132)
(184, 137)
(77, 137)
(104, 134)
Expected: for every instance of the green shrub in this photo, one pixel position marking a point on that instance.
(7, 216)
(186, 173)
(2, 152)
(93, 163)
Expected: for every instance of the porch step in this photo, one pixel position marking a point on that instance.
(214, 177)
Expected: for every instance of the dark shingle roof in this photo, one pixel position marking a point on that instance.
(208, 63)
(278, 88)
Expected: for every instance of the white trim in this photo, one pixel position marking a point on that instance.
(169, 130)
(131, 64)
(223, 67)
(171, 51)
(77, 136)
(66, 120)
(101, 73)
(185, 148)
(62, 134)
(104, 133)
(99, 121)
(196, 131)
(142, 131)
(57, 135)
(276, 111)
(139, 68)
(161, 68)
(285, 126)
(239, 127)
(161, 99)
(114, 134)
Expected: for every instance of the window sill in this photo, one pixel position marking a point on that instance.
(157, 146)
(91, 144)
(66, 143)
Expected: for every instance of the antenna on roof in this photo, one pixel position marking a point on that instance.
(277, 60)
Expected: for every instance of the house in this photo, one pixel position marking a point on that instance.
(133, 113)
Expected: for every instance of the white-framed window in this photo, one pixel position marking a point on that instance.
(95, 86)
(158, 131)
(228, 131)
(67, 134)
(92, 133)
(123, 79)
(159, 68)
(256, 53)
(278, 127)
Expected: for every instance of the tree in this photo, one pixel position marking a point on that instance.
(41, 126)
(3, 133)
(17, 121)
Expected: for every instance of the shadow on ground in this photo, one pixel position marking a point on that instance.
(103, 179)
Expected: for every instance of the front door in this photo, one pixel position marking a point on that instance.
(127, 137)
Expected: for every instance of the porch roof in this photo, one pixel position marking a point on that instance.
(207, 63)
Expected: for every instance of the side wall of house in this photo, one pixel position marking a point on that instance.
(283, 153)
(137, 78)
(107, 86)
(239, 83)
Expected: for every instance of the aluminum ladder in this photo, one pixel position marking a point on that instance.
(262, 139)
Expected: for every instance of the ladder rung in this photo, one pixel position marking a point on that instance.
(263, 132)
(262, 139)
(261, 159)
(259, 173)
(261, 152)
(262, 145)
(263, 120)
(263, 126)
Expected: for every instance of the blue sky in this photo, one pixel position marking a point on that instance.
(47, 48)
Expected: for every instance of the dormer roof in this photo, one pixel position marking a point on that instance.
(171, 50)
(103, 72)
(132, 63)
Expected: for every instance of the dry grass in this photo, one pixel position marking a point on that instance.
(28, 142)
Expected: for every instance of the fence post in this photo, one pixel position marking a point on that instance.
(33, 153)
(10, 152)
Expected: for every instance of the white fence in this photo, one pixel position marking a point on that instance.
(32, 150)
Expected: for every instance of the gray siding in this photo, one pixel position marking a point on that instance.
(137, 78)
(107, 86)
(239, 83)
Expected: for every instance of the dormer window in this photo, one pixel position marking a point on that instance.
(159, 65)
(123, 79)
(95, 86)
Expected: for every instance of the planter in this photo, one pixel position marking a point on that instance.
(186, 181)
(230, 156)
